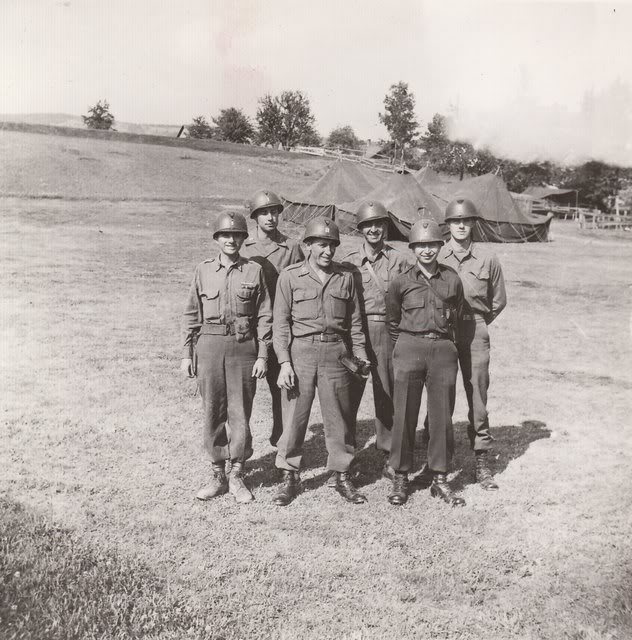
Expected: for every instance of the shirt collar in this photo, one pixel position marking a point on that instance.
(420, 274)
(241, 261)
(278, 238)
(470, 251)
(382, 252)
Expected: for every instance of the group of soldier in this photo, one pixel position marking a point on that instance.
(268, 307)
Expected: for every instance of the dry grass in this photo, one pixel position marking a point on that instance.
(102, 437)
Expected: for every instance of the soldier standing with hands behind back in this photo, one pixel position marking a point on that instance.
(273, 251)
(227, 326)
(485, 297)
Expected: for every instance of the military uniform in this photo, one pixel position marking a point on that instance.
(273, 257)
(372, 280)
(314, 322)
(227, 325)
(485, 297)
(421, 312)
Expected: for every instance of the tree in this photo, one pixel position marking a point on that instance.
(200, 128)
(100, 116)
(233, 126)
(287, 120)
(343, 137)
(399, 116)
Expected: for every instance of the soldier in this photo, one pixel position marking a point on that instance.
(485, 297)
(422, 306)
(316, 317)
(273, 251)
(227, 326)
(375, 264)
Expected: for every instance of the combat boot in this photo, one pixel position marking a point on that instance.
(288, 489)
(218, 484)
(441, 489)
(332, 481)
(484, 475)
(399, 492)
(387, 471)
(236, 484)
(345, 488)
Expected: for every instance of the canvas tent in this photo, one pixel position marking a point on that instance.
(404, 198)
(502, 220)
(562, 197)
(344, 181)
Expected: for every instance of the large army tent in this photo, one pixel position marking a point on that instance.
(502, 220)
(344, 181)
(404, 198)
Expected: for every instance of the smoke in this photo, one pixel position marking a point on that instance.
(527, 130)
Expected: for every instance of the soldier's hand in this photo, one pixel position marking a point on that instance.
(186, 366)
(287, 377)
(260, 368)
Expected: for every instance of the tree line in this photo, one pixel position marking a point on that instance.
(286, 120)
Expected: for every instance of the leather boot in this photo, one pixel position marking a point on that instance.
(399, 492)
(236, 484)
(218, 484)
(484, 475)
(387, 471)
(332, 481)
(288, 489)
(345, 488)
(441, 489)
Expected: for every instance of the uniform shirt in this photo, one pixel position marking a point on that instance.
(304, 306)
(413, 306)
(219, 294)
(387, 265)
(482, 278)
(273, 256)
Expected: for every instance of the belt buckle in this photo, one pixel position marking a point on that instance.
(328, 337)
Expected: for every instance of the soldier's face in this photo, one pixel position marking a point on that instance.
(426, 252)
(321, 252)
(461, 229)
(230, 243)
(268, 219)
(374, 232)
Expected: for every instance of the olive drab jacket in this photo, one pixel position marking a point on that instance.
(234, 295)
(306, 306)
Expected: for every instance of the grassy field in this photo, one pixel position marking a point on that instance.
(100, 534)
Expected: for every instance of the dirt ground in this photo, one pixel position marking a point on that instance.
(102, 435)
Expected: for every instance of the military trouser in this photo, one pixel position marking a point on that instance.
(272, 377)
(380, 352)
(419, 361)
(316, 365)
(224, 375)
(473, 346)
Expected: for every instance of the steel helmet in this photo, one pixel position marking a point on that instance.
(459, 209)
(230, 222)
(322, 228)
(425, 231)
(264, 200)
(370, 211)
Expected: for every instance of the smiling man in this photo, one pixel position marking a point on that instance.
(316, 320)
(375, 264)
(485, 297)
(273, 251)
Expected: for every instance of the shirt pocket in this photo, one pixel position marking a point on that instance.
(339, 304)
(305, 305)
(210, 304)
(245, 301)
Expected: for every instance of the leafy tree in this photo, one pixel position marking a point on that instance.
(287, 120)
(344, 137)
(233, 126)
(100, 116)
(200, 128)
(399, 116)
(596, 182)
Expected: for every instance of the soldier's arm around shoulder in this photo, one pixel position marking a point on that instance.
(497, 282)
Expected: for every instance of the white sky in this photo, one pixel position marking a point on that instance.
(508, 66)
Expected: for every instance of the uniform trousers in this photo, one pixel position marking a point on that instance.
(224, 375)
(380, 353)
(419, 362)
(316, 365)
(272, 377)
(473, 347)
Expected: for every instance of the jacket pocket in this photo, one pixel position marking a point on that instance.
(210, 304)
(305, 305)
(340, 304)
(245, 302)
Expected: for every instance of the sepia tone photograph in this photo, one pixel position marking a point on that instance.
(316, 320)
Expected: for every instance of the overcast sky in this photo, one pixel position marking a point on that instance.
(514, 70)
